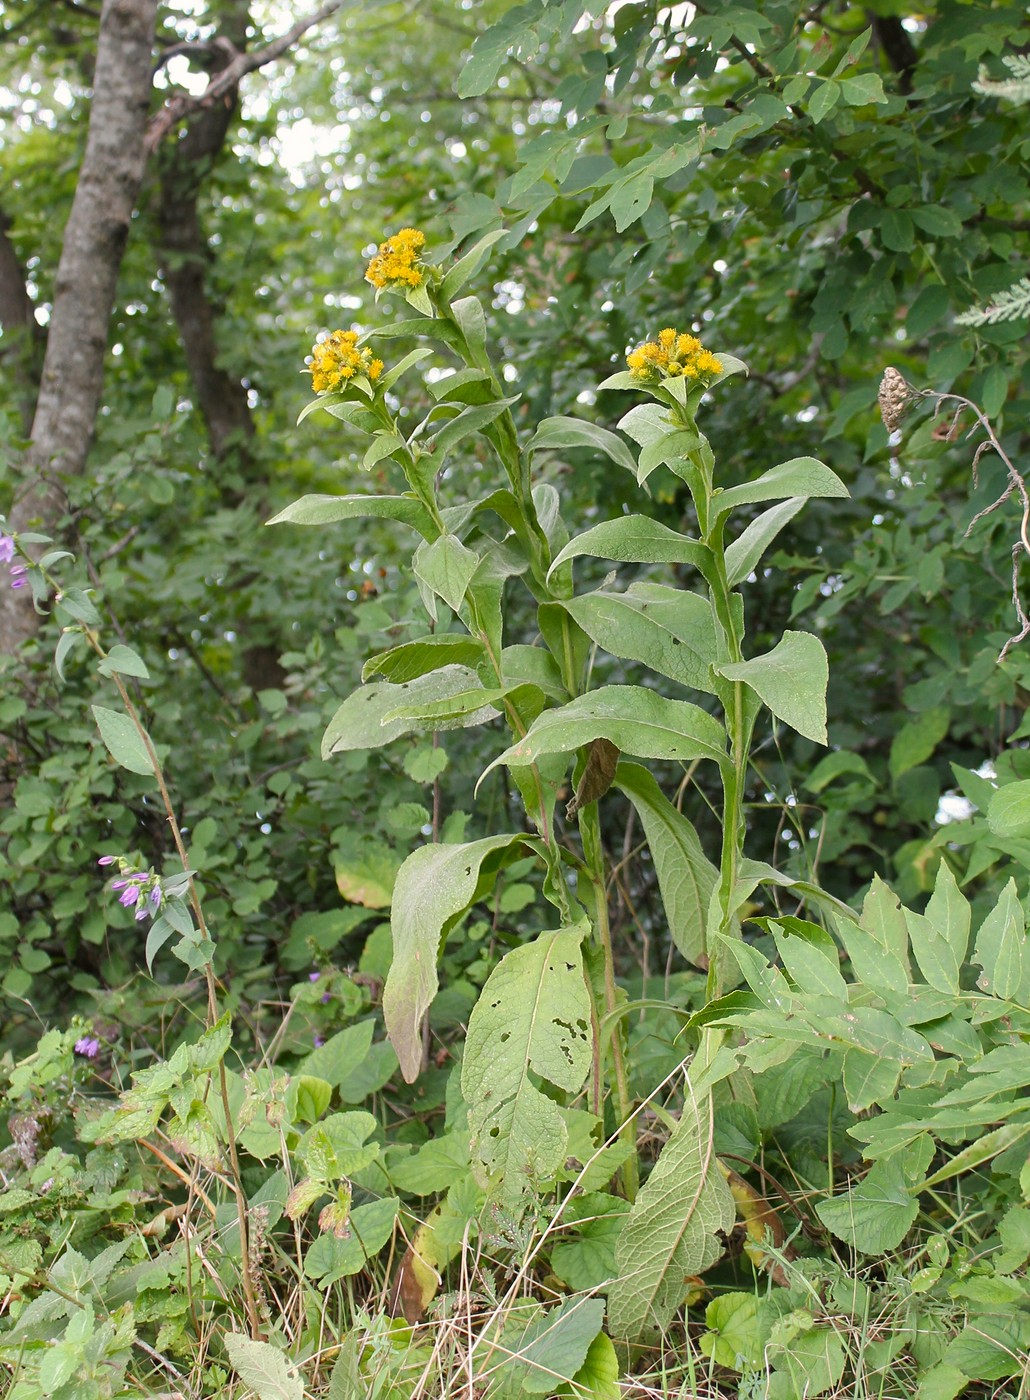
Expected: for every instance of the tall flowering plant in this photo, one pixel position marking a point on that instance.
(550, 1022)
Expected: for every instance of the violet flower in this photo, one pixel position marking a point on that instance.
(88, 1046)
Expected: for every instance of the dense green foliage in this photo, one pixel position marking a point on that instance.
(414, 1087)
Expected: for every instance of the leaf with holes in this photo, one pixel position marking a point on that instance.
(532, 1019)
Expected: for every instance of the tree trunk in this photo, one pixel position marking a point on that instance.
(87, 275)
(22, 353)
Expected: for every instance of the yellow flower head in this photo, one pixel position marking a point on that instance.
(673, 356)
(337, 359)
(397, 262)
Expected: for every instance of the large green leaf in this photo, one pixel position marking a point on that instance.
(635, 720)
(636, 539)
(686, 877)
(670, 630)
(877, 1214)
(801, 476)
(673, 1230)
(532, 1018)
(123, 741)
(540, 1357)
(1003, 950)
(327, 510)
(791, 679)
(358, 723)
(434, 886)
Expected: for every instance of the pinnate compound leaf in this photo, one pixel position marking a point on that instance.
(636, 539)
(532, 1018)
(673, 1229)
(263, 1367)
(635, 720)
(122, 741)
(686, 877)
(940, 937)
(434, 886)
(803, 477)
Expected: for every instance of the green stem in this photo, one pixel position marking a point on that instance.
(593, 852)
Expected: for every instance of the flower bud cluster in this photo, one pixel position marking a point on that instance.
(138, 889)
(338, 359)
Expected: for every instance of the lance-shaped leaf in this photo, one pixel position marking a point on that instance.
(745, 552)
(574, 432)
(434, 887)
(327, 510)
(446, 566)
(791, 679)
(635, 720)
(533, 1018)
(636, 539)
(686, 877)
(466, 267)
(673, 1230)
(469, 421)
(670, 630)
(418, 658)
(358, 723)
(801, 476)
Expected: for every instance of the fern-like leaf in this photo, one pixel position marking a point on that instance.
(1010, 305)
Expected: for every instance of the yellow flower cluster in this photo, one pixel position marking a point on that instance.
(396, 263)
(337, 359)
(673, 356)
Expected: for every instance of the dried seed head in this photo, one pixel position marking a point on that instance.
(894, 398)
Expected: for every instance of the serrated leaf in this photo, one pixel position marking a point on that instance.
(686, 877)
(940, 937)
(791, 680)
(1003, 950)
(434, 886)
(122, 741)
(263, 1367)
(877, 1214)
(533, 1016)
(673, 1230)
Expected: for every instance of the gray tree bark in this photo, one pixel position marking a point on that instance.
(87, 275)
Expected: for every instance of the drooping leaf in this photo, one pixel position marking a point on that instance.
(434, 886)
(532, 1018)
(635, 720)
(686, 877)
(358, 723)
(670, 630)
(446, 566)
(602, 759)
(791, 679)
(673, 1228)
(635, 539)
(554, 433)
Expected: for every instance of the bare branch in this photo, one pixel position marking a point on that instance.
(225, 82)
